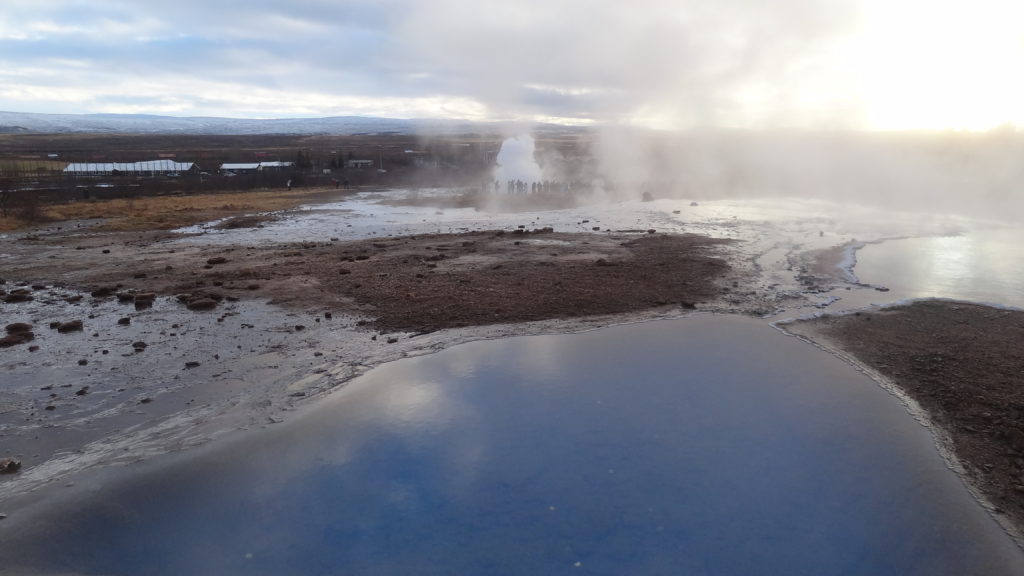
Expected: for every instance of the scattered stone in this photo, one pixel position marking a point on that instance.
(83, 362)
(328, 315)
(106, 251)
(33, 348)
(18, 295)
(191, 364)
(201, 304)
(253, 287)
(217, 260)
(82, 391)
(392, 340)
(124, 321)
(71, 326)
(139, 346)
(9, 465)
(651, 230)
(299, 327)
(124, 297)
(103, 292)
(16, 338)
(144, 300)
(18, 327)
(39, 286)
(344, 271)
(145, 400)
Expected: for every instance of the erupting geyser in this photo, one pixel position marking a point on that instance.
(516, 162)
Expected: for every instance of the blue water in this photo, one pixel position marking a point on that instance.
(705, 445)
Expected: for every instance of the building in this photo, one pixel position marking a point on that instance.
(253, 167)
(146, 168)
(359, 164)
(239, 167)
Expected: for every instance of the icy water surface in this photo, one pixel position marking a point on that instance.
(704, 445)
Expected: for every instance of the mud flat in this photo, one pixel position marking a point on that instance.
(963, 365)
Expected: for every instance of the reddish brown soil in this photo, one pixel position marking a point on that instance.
(963, 364)
(415, 284)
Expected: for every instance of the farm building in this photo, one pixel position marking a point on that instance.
(147, 168)
(250, 167)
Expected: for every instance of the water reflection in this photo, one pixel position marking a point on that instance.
(704, 445)
(984, 265)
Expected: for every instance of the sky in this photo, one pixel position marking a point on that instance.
(670, 64)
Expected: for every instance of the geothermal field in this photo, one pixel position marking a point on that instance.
(527, 370)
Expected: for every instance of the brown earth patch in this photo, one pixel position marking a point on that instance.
(415, 284)
(961, 362)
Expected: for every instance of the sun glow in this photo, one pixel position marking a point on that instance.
(941, 65)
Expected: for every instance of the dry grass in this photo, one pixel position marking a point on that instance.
(169, 212)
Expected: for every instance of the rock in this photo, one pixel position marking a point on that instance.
(217, 260)
(125, 297)
(103, 292)
(191, 364)
(124, 321)
(596, 228)
(299, 327)
(9, 465)
(18, 327)
(139, 346)
(694, 204)
(72, 326)
(145, 400)
(50, 407)
(651, 231)
(83, 362)
(328, 315)
(253, 287)
(344, 271)
(55, 325)
(201, 304)
(16, 296)
(16, 338)
(144, 300)
(82, 391)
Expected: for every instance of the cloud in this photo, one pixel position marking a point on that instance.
(664, 63)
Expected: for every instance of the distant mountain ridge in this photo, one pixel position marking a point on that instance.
(27, 122)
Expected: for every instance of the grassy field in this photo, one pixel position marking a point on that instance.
(169, 212)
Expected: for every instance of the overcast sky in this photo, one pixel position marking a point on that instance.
(862, 64)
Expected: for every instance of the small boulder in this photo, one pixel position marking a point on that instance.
(72, 326)
(9, 465)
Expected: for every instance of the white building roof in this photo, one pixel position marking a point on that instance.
(240, 166)
(128, 167)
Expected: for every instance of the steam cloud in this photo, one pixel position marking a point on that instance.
(516, 161)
